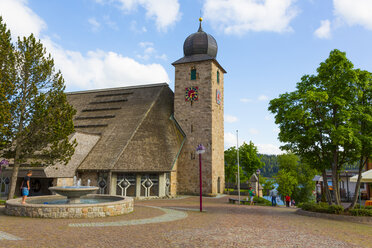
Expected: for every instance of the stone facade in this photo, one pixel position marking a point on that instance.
(14, 207)
(202, 122)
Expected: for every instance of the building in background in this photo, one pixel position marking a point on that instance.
(140, 141)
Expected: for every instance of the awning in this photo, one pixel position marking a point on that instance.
(366, 177)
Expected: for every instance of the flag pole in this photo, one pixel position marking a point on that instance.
(237, 152)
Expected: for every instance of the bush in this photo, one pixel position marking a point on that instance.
(2, 202)
(361, 212)
(335, 209)
(322, 207)
(261, 201)
(363, 207)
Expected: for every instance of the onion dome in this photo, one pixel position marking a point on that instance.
(200, 43)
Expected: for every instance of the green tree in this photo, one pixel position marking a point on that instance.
(231, 167)
(41, 118)
(249, 159)
(295, 178)
(362, 123)
(287, 182)
(267, 184)
(315, 120)
(7, 76)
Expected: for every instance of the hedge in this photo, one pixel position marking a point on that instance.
(322, 208)
(361, 212)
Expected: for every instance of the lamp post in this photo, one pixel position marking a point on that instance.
(258, 172)
(200, 150)
(237, 157)
(3, 164)
(347, 185)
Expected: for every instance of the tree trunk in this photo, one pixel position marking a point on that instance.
(357, 188)
(326, 188)
(13, 181)
(336, 191)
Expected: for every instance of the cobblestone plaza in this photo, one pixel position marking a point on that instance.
(171, 223)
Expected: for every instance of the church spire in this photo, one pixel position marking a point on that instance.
(200, 26)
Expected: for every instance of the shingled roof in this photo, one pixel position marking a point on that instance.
(136, 128)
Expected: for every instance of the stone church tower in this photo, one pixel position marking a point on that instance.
(198, 108)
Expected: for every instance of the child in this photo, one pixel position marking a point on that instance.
(287, 200)
(25, 186)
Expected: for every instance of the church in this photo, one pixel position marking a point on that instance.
(141, 141)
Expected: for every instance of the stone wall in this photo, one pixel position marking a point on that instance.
(14, 207)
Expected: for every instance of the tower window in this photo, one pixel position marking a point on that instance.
(193, 74)
(218, 77)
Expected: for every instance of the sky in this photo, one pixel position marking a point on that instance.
(266, 46)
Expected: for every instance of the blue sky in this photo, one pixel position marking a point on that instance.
(265, 45)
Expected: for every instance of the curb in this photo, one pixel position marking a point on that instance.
(355, 219)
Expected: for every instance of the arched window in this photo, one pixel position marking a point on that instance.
(218, 77)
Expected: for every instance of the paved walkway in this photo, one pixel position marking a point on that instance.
(170, 215)
(222, 225)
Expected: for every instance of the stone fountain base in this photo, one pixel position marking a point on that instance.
(118, 206)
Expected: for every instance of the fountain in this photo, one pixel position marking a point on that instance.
(75, 201)
(75, 192)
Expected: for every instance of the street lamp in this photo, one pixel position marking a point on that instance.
(258, 172)
(200, 150)
(3, 164)
(347, 186)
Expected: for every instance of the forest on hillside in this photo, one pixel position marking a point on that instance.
(271, 166)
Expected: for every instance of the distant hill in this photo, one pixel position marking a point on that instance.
(271, 165)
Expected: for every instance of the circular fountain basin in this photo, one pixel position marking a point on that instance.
(55, 206)
(74, 193)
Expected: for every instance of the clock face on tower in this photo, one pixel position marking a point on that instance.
(191, 94)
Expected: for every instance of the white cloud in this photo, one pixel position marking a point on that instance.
(231, 118)
(263, 98)
(269, 149)
(165, 12)
(94, 24)
(246, 100)
(253, 131)
(324, 31)
(241, 16)
(149, 51)
(95, 69)
(230, 140)
(354, 12)
(100, 69)
(163, 56)
(20, 19)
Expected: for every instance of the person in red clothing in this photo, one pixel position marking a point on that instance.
(287, 200)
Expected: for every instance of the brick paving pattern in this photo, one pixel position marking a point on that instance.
(222, 225)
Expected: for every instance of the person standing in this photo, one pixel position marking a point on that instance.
(273, 197)
(287, 200)
(25, 186)
(251, 195)
(318, 192)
